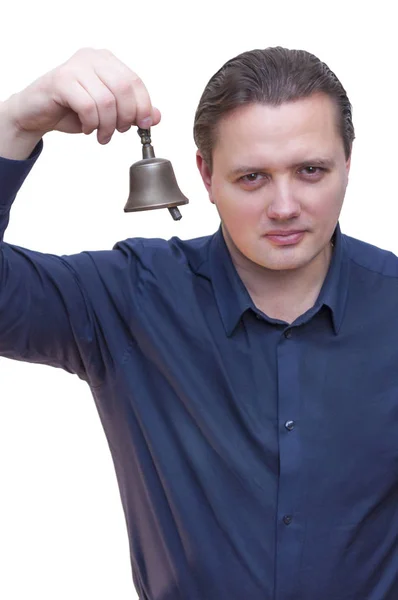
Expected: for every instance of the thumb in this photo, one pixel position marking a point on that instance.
(156, 116)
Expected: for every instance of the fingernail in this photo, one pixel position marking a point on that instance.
(145, 123)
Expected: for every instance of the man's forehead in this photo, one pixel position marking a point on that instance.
(250, 137)
(256, 127)
(319, 100)
(313, 114)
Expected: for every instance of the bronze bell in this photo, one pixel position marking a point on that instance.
(153, 183)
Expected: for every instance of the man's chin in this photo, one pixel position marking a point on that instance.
(296, 260)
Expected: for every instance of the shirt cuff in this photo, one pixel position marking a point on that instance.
(13, 173)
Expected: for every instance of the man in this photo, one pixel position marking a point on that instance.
(247, 381)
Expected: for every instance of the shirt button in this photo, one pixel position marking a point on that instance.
(290, 425)
(288, 334)
(287, 519)
(259, 317)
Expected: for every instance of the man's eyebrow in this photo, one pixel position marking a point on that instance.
(313, 162)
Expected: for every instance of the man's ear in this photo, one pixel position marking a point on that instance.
(204, 172)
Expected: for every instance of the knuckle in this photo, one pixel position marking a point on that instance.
(59, 80)
(82, 53)
(88, 109)
(126, 121)
(87, 128)
(144, 109)
(137, 81)
(123, 87)
(87, 54)
(63, 72)
(107, 101)
(105, 52)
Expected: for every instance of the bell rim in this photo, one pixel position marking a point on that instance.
(156, 206)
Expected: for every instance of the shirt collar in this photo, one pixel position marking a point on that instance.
(334, 290)
(233, 299)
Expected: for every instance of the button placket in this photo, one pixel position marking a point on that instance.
(290, 461)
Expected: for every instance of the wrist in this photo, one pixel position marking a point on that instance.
(15, 143)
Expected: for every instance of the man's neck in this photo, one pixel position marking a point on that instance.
(284, 295)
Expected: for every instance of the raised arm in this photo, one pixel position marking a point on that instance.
(46, 309)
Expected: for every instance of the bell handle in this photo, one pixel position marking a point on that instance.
(147, 148)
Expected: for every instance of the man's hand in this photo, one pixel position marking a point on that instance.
(93, 90)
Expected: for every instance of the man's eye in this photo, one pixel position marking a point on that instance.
(309, 171)
(312, 170)
(251, 177)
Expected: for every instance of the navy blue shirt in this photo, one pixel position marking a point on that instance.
(256, 459)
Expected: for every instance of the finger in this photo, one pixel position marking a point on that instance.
(105, 102)
(156, 116)
(74, 96)
(134, 105)
(143, 116)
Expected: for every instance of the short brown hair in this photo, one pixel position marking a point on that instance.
(270, 76)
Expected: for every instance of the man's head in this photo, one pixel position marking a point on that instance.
(274, 134)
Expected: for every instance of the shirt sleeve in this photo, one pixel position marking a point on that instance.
(46, 315)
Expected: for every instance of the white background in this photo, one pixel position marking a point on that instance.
(62, 532)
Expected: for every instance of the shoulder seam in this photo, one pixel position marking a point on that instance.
(372, 270)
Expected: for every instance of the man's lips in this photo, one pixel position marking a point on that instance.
(285, 238)
(284, 231)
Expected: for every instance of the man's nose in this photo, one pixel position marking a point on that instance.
(284, 204)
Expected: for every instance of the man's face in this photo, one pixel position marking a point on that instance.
(278, 168)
